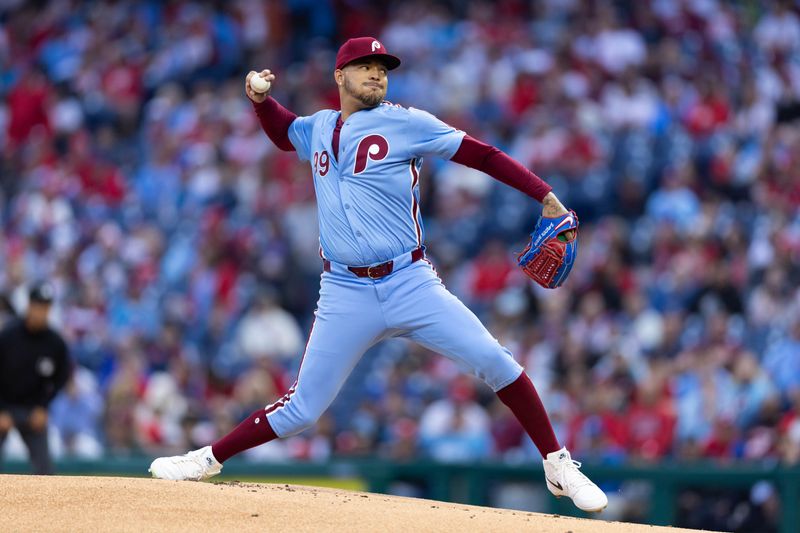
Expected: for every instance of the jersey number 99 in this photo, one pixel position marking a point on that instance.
(322, 163)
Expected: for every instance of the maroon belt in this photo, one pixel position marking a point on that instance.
(376, 271)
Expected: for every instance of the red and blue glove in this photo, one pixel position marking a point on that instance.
(551, 251)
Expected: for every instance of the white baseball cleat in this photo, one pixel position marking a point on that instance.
(564, 479)
(195, 466)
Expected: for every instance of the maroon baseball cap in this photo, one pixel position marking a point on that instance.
(361, 47)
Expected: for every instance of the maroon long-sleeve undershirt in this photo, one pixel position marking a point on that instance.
(275, 121)
(480, 156)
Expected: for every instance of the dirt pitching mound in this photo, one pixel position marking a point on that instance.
(98, 504)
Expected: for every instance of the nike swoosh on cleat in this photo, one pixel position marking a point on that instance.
(556, 485)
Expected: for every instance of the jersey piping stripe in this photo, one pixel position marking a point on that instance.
(434, 270)
(414, 205)
(288, 396)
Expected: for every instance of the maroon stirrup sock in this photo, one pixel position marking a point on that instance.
(523, 400)
(254, 430)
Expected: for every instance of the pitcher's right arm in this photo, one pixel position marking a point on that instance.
(274, 118)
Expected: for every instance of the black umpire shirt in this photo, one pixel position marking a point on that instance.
(34, 365)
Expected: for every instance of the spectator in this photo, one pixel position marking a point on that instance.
(76, 415)
(455, 428)
(781, 361)
(268, 331)
(652, 422)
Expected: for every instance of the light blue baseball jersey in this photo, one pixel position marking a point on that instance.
(368, 196)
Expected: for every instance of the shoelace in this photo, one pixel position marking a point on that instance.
(580, 479)
(191, 461)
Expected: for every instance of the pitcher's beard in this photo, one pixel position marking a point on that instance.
(370, 99)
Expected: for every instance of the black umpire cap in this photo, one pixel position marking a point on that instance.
(42, 293)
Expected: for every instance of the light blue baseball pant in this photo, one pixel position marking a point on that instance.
(355, 313)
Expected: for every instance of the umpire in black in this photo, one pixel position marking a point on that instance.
(34, 366)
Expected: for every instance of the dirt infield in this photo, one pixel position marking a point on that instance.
(98, 504)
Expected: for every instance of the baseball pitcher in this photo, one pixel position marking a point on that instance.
(376, 282)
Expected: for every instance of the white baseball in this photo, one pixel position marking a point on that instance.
(259, 84)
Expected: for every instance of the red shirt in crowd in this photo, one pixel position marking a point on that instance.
(651, 429)
(27, 103)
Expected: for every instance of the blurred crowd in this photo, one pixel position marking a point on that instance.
(183, 245)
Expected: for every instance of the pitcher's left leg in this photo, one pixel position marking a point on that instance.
(442, 323)
(439, 321)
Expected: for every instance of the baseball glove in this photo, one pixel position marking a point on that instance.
(549, 255)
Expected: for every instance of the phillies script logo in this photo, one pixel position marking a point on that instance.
(374, 147)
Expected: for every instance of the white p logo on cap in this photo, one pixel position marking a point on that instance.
(376, 45)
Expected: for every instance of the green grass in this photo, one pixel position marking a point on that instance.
(329, 482)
